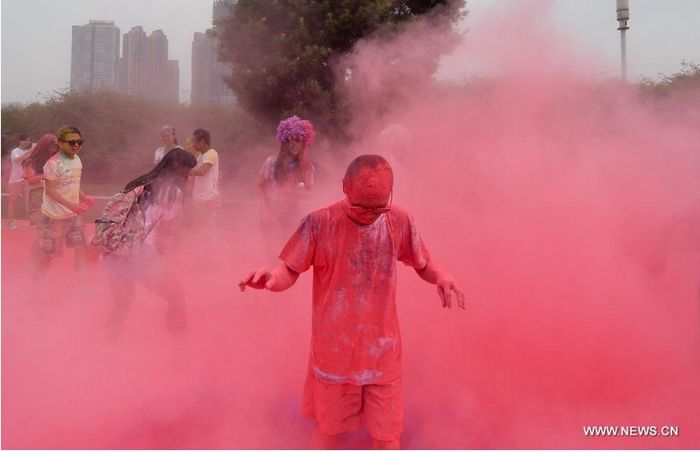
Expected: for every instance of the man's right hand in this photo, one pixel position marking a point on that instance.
(258, 279)
(79, 208)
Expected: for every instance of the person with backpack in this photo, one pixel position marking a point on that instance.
(135, 232)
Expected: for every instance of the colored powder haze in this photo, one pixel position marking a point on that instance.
(566, 206)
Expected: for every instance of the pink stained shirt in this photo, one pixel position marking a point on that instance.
(355, 331)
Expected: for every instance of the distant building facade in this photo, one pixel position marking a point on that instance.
(208, 86)
(94, 56)
(144, 68)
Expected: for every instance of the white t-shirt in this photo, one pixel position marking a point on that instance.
(65, 172)
(16, 158)
(206, 187)
(160, 153)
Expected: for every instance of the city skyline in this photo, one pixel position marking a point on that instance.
(660, 35)
(51, 32)
(145, 69)
(208, 86)
(94, 56)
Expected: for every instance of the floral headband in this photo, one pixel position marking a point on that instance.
(297, 129)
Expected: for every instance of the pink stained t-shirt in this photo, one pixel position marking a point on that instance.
(355, 331)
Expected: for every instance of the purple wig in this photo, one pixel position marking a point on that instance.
(294, 128)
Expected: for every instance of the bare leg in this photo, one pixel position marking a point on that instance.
(42, 255)
(81, 257)
(174, 295)
(385, 444)
(35, 216)
(12, 206)
(122, 294)
(324, 441)
(25, 196)
(40, 260)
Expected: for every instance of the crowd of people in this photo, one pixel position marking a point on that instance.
(355, 371)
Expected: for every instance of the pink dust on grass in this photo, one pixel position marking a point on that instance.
(565, 205)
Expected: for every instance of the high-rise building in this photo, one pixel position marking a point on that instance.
(94, 55)
(203, 69)
(208, 73)
(145, 70)
(172, 84)
(132, 76)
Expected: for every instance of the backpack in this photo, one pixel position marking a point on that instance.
(121, 229)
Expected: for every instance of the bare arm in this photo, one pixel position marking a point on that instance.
(30, 176)
(261, 189)
(279, 279)
(52, 192)
(262, 182)
(201, 169)
(33, 179)
(20, 158)
(85, 199)
(446, 286)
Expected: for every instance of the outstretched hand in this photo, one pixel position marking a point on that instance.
(449, 292)
(79, 208)
(88, 201)
(258, 279)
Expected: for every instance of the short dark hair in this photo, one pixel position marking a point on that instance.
(23, 137)
(65, 130)
(202, 135)
(367, 161)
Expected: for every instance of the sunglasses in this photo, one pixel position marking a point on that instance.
(374, 210)
(73, 142)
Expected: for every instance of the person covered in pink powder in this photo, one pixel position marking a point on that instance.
(33, 174)
(355, 361)
(285, 178)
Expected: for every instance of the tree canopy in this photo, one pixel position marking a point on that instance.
(284, 53)
(122, 132)
(688, 77)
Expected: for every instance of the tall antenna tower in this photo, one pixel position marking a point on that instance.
(623, 15)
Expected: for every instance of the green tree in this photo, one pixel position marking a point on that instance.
(122, 132)
(687, 78)
(284, 53)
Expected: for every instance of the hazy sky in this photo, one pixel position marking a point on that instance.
(36, 34)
